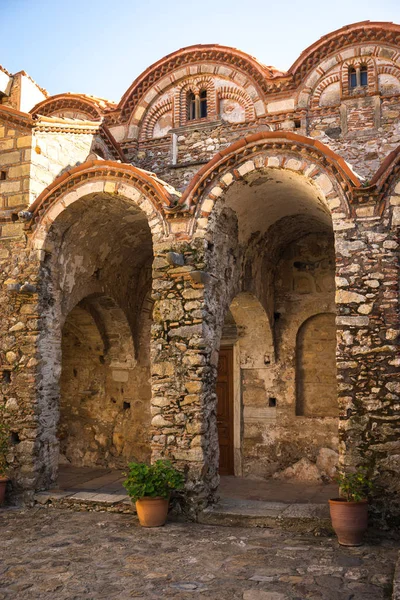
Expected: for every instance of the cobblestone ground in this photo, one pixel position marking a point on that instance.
(58, 554)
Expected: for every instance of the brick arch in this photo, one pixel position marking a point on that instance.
(75, 102)
(240, 96)
(152, 117)
(150, 194)
(393, 70)
(195, 85)
(368, 32)
(162, 73)
(389, 70)
(321, 87)
(283, 150)
(358, 61)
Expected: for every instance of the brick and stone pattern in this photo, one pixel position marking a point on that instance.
(152, 234)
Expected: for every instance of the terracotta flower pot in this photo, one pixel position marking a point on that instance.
(3, 485)
(349, 520)
(152, 512)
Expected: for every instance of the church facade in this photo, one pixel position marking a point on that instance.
(208, 270)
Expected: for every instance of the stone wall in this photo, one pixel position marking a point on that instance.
(15, 164)
(368, 338)
(19, 328)
(54, 153)
(104, 390)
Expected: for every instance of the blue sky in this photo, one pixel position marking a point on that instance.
(99, 47)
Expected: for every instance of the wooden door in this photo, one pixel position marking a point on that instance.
(225, 411)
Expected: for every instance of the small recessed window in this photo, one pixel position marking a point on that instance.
(197, 105)
(191, 106)
(352, 78)
(364, 75)
(3, 175)
(203, 104)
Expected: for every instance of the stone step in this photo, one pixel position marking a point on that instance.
(84, 500)
(253, 513)
(228, 512)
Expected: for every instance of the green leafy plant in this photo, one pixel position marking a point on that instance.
(156, 480)
(355, 486)
(4, 441)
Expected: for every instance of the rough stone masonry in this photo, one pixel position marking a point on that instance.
(208, 270)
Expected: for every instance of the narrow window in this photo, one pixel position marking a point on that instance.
(203, 104)
(191, 103)
(364, 75)
(352, 78)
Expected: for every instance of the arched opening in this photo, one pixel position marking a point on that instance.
(276, 244)
(352, 78)
(104, 388)
(364, 75)
(191, 106)
(203, 104)
(246, 356)
(95, 392)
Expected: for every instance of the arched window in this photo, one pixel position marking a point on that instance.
(203, 104)
(197, 105)
(364, 75)
(352, 78)
(191, 104)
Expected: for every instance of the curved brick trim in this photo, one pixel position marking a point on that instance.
(73, 102)
(152, 117)
(230, 57)
(388, 70)
(364, 32)
(321, 87)
(358, 61)
(282, 143)
(240, 96)
(195, 85)
(387, 177)
(159, 195)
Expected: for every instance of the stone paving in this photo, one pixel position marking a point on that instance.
(58, 554)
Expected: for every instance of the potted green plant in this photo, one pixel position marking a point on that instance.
(150, 486)
(4, 448)
(349, 512)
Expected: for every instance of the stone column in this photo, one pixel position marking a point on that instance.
(368, 354)
(19, 326)
(183, 370)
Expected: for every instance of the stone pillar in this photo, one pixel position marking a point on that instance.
(183, 370)
(368, 355)
(19, 326)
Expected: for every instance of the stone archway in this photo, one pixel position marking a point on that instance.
(95, 236)
(268, 208)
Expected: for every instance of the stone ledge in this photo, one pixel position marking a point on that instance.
(280, 515)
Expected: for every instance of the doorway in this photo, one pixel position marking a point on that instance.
(225, 411)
